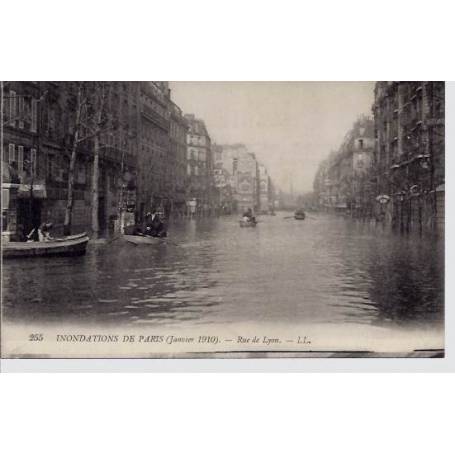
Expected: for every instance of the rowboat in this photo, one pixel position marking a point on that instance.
(299, 215)
(144, 239)
(72, 245)
(248, 223)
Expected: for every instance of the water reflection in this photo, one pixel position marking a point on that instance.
(324, 269)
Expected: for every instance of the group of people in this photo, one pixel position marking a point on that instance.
(248, 216)
(42, 233)
(152, 226)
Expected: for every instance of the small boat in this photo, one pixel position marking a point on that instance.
(299, 215)
(139, 239)
(72, 245)
(244, 223)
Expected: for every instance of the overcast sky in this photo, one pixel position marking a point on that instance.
(290, 126)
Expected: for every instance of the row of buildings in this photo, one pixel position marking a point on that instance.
(391, 167)
(150, 156)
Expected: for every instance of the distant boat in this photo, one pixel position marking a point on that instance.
(144, 239)
(299, 214)
(72, 245)
(244, 223)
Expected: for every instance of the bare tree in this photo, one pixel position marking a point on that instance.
(79, 107)
(91, 119)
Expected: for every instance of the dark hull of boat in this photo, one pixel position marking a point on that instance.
(144, 239)
(299, 217)
(247, 224)
(74, 245)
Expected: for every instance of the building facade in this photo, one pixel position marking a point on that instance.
(142, 155)
(153, 183)
(200, 182)
(38, 144)
(409, 155)
(21, 162)
(225, 203)
(264, 200)
(342, 182)
(243, 169)
(177, 158)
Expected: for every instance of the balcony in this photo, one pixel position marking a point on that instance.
(154, 117)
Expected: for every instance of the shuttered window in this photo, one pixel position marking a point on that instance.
(12, 107)
(21, 112)
(34, 122)
(12, 153)
(20, 158)
(33, 160)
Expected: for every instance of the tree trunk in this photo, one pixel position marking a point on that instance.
(95, 186)
(70, 195)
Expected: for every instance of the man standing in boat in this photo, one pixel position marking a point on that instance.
(41, 233)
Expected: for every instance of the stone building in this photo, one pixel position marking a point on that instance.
(225, 203)
(243, 168)
(342, 183)
(177, 158)
(142, 156)
(154, 185)
(199, 183)
(21, 161)
(38, 143)
(409, 154)
(265, 202)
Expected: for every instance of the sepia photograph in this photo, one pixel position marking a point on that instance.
(163, 219)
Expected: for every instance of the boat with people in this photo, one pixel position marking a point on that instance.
(299, 214)
(72, 245)
(248, 219)
(151, 232)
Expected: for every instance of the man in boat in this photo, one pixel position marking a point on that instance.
(154, 225)
(248, 216)
(41, 233)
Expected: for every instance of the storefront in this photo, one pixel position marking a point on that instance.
(21, 206)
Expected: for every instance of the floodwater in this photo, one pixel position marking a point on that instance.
(325, 269)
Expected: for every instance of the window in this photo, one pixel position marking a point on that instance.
(12, 154)
(21, 112)
(34, 122)
(20, 158)
(33, 161)
(51, 123)
(360, 143)
(12, 107)
(50, 165)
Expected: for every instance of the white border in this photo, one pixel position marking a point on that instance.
(369, 365)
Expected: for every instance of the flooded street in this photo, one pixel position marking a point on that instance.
(325, 269)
